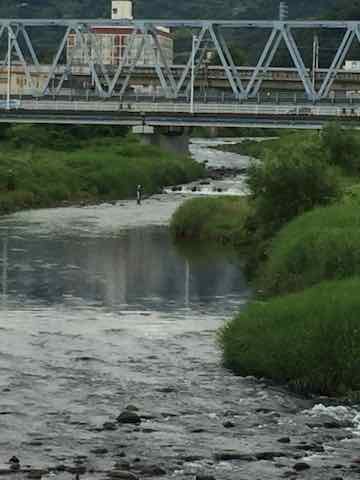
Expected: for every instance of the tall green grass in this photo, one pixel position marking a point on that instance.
(220, 219)
(323, 244)
(310, 340)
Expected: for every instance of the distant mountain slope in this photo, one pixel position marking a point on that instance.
(346, 9)
(226, 9)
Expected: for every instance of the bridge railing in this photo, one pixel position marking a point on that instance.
(214, 110)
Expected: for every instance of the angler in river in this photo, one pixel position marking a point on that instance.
(139, 194)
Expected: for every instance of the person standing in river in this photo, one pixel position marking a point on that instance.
(139, 194)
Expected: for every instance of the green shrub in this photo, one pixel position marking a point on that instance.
(290, 181)
(220, 219)
(310, 340)
(320, 245)
(343, 147)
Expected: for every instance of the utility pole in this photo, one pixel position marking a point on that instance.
(315, 65)
(5, 266)
(283, 11)
(195, 41)
(8, 93)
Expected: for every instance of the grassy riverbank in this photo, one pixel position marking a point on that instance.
(301, 228)
(44, 166)
(310, 340)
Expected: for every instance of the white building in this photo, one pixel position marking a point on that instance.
(352, 65)
(111, 41)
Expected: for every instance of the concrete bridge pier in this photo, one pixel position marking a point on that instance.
(171, 139)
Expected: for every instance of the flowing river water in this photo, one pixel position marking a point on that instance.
(98, 312)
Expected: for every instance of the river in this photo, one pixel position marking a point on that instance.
(99, 311)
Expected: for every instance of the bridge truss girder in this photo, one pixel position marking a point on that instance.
(112, 83)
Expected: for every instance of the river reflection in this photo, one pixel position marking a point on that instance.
(139, 268)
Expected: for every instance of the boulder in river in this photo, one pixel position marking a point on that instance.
(284, 440)
(233, 455)
(99, 450)
(122, 474)
(36, 473)
(269, 455)
(132, 408)
(300, 466)
(128, 416)
(228, 424)
(109, 426)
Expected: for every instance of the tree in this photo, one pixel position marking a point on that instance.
(291, 180)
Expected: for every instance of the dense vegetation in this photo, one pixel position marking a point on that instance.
(302, 229)
(46, 165)
(310, 340)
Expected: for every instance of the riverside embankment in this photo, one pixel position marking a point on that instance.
(99, 311)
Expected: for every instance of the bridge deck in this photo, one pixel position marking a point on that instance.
(178, 114)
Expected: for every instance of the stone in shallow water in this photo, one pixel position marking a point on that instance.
(120, 454)
(77, 469)
(132, 408)
(300, 466)
(269, 455)
(168, 389)
(99, 450)
(123, 465)
(36, 473)
(191, 458)
(204, 477)
(311, 447)
(122, 474)
(284, 440)
(228, 424)
(109, 426)
(130, 417)
(232, 455)
(289, 474)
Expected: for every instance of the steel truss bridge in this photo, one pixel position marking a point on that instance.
(22, 39)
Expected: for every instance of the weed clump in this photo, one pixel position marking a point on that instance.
(310, 340)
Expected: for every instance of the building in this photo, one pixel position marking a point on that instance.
(111, 42)
(19, 82)
(352, 65)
